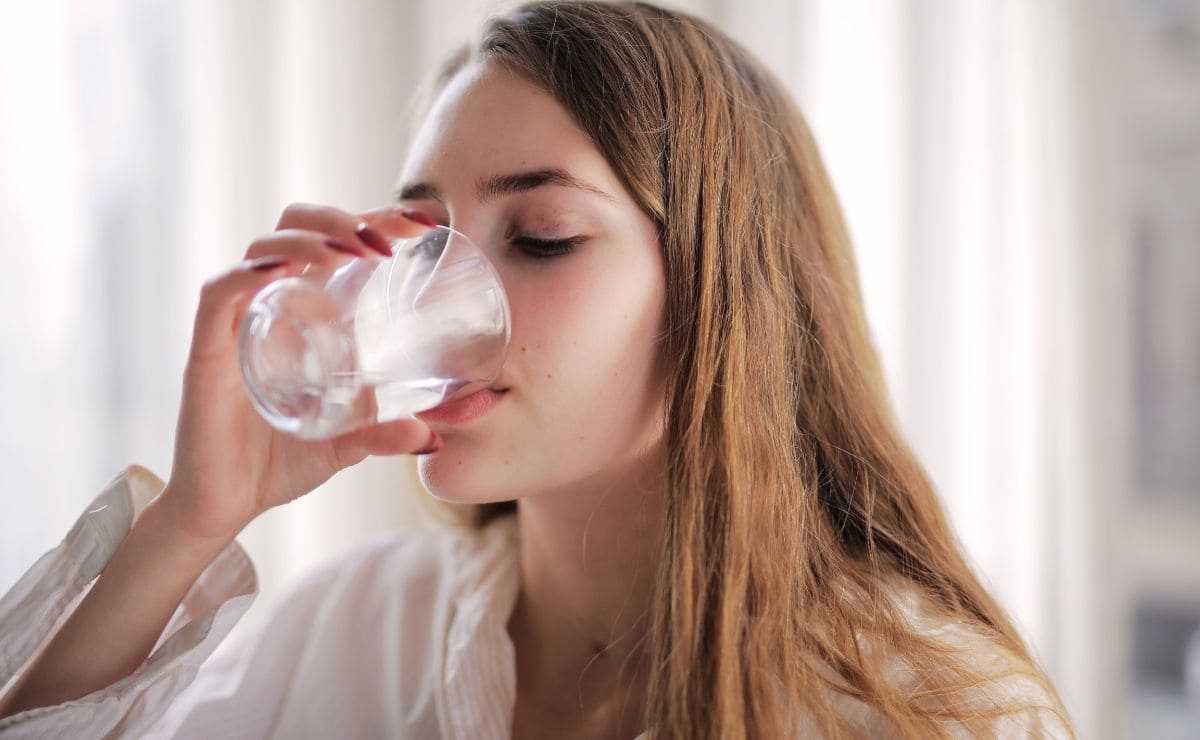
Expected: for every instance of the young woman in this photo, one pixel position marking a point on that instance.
(690, 510)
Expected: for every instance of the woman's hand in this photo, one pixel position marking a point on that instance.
(230, 465)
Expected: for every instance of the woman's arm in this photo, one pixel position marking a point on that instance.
(229, 467)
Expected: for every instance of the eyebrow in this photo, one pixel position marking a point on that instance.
(498, 185)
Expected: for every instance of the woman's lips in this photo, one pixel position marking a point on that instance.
(464, 409)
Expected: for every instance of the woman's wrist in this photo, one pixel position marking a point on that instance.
(166, 526)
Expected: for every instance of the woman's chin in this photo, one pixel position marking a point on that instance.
(455, 480)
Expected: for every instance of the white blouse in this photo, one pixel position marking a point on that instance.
(406, 637)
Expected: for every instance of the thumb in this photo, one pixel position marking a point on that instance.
(390, 438)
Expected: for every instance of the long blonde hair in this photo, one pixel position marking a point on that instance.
(795, 505)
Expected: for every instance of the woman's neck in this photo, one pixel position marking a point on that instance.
(588, 560)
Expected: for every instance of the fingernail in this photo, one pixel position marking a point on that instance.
(435, 444)
(419, 217)
(262, 264)
(341, 246)
(373, 239)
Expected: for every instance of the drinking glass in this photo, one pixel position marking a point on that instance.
(376, 340)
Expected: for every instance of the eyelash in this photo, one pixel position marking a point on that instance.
(546, 248)
(538, 249)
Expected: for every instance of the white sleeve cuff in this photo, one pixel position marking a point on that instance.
(35, 608)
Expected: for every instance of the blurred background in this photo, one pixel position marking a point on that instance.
(1021, 179)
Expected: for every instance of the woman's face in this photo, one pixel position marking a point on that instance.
(585, 390)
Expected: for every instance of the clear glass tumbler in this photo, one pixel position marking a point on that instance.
(376, 340)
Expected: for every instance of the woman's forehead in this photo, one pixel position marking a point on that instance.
(489, 120)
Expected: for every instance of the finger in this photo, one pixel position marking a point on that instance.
(307, 247)
(223, 299)
(390, 438)
(313, 217)
(334, 222)
(394, 222)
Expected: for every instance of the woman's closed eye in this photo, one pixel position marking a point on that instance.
(541, 248)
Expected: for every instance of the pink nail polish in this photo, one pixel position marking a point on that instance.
(267, 263)
(373, 239)
(419, 217)
(435, 444)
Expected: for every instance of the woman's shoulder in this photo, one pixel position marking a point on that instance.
(1006, 680)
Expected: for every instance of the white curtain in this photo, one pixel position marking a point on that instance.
(142, 145)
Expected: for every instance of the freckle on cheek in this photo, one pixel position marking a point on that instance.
(522, 348)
